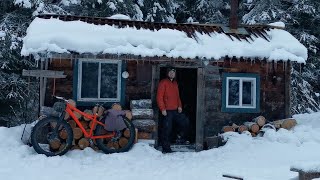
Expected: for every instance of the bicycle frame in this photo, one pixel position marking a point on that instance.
(70, 108)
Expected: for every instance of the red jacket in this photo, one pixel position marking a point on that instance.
(168, 97)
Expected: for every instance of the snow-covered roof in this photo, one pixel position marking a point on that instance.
(109, 36)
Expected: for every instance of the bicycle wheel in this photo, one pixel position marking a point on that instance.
(121, 143)
(51, 141)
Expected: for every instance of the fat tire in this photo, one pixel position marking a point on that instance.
(38, 127)
(102, 146)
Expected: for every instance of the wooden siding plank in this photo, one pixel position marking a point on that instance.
(200, 110)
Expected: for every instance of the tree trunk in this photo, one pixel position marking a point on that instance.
(83, 143)
(260, 120)
(253, 127)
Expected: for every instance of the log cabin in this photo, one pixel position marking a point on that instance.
(226, 73)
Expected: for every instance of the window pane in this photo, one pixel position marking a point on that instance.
(247, 94)
(233, 92)
(89, 80)
(109, 80)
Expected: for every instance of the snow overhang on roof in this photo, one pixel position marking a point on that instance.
(60, 34)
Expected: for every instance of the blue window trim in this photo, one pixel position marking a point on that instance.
(224, 91)
(92, 103)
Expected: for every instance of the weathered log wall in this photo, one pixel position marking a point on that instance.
(272, 93)
(63, 86)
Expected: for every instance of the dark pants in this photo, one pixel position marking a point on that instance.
(179, 120)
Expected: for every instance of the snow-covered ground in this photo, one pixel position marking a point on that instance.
(264, 158)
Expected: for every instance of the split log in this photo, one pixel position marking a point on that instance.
(72, 123)
(142, 113)
(141, 104)
(227, 129)
(126, 133)
(83, 143)
(63, 134)
(84, 124)
(114, 145)
(253, 127)
(145, 125)
(144, 135)
(66, 116)
(77, 133)
(242, 128)
(123, 141)
(90, 125)
(75, 147)
(72, 102)
(136, 138)
(285, 123)
(77, 115)
(99, 110)
(62, 146)
(128, 115)
(54, 143)
(48, 111)
(234, 126)
(260, 120)
(268, 126)
(53, 124)
(253, 134)
(87, 111)
(73, 142)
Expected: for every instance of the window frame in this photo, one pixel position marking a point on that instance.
(99, 99)
(242, 77)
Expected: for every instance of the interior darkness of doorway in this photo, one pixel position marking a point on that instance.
(187, 82)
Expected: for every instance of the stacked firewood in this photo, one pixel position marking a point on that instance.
(142, 115)
(79, 141)
(259, 124)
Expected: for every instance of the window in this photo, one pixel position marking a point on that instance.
(99, 80)
(241, 92)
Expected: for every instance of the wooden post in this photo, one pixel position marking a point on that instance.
(154, 86)
(200, 110)
(287, 80)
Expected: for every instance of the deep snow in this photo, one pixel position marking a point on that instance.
(264, 158)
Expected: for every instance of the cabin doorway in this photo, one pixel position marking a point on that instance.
(187, 82)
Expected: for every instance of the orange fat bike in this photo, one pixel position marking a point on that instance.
(48, 131)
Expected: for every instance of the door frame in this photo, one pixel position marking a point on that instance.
(200, 101)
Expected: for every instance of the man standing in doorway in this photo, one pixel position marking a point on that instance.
(169, 103)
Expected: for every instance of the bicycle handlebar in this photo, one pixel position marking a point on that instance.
(60, 98)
